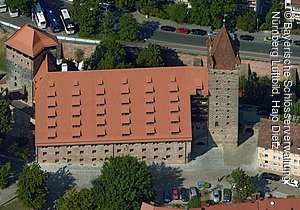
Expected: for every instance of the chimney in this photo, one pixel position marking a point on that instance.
(64, 67)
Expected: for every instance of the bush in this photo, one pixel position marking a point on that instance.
(4, 175)
(194, 202)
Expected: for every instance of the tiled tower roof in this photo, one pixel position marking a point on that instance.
(31, 40)
(223, 51)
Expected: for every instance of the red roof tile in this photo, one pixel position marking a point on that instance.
(85, 86)
(31, 40)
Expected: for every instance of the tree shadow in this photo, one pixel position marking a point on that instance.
(165, 178)
(58, 183)
(55, 4)
(147, 29)
(260, 184)
(171, 58)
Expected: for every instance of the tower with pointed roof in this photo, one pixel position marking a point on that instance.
(223, 64)
(25, 50)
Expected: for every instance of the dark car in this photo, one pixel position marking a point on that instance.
(262, 112)
(168, 28)
(271, 176)
(283, 40)
(184, 194)
(198, 32)
(247, 37)
(167, 196)
(226, 195)
(175, 194)
(297, 42)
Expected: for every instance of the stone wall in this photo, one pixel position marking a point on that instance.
(223, 107)
(168, 152)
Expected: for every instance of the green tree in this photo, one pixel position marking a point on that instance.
(295, 110)
(145, 3)
(177, 12)
(124, 183)
(5, 117)
(78, 55)
(194, 202)
(210, 12)
(108, 55)
(277, 6)
(129, 27)
(32, 188)
(85, 13)
(125, 5)
(79, 200)
(241, 185)
(106, 24)
(150, 56)
(23, 6)
(246, 21)
(4, 175)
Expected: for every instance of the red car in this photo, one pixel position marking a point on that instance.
(175, 194)
(182, 30)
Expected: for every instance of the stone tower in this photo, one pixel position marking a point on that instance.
(25, 50)
(223, 64)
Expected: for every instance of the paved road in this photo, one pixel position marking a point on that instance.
(184, 43)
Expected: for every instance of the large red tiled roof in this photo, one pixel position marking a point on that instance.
(265, 135)
(31, 40)
(142, 98)
(267, 204)
(222, 53)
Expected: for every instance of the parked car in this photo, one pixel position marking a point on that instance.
(282, 40)
(247, 37)
(194, 192)
(167, 196)
(271, 176)
(13, 14)
(262, 112)
(293, 183)
(182, 30)
(213, 33)
(198, 32)
(297, 42)
(217, 195)
(226, 195)
(168, 28)
(184, 194)
(206, 184)
(267, 39)
(175, 194)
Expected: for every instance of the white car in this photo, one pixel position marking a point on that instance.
(293, 183)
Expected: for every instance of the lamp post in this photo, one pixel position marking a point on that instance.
(257, 24)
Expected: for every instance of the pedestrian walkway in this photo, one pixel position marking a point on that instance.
(8, 194)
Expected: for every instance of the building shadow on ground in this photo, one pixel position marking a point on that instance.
(165, 178)
(58, 183)
(171, 58)
(261, 184)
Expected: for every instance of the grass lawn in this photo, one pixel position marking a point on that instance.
(13, 205)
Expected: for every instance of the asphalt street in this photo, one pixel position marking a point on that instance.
(185, 43)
